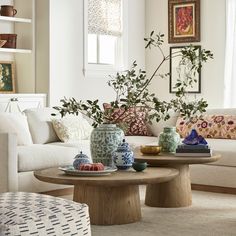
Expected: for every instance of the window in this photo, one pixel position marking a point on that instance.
(105, 37)
(101, 49)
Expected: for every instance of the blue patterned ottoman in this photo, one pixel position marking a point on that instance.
(35, 214)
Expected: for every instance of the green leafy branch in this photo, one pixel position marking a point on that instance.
(131, 89)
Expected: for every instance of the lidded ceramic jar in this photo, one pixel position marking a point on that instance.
(123, 157)
(169, 139)
(104, 141)
(80, 159)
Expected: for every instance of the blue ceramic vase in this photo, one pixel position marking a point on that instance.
(123, 157)
(80, 159)
(104, 142)
(169, 139)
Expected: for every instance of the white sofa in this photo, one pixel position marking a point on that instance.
(19, 161)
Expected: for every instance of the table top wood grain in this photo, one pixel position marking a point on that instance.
(119, 178)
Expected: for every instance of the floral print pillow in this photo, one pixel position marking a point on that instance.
(209, 126)
(132, 121)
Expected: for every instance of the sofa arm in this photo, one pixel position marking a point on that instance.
(8, 160)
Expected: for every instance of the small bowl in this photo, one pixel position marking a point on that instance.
(139, 166)
(2, 42)
(150, 149)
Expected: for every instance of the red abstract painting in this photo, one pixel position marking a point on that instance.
(184, 20)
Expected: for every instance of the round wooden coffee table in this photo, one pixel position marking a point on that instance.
(112, 199)
(177, 192)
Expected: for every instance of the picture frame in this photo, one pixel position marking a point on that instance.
(183, 21)
(7, 77)
(180, 71)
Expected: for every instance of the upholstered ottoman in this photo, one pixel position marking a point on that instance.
(35, 214)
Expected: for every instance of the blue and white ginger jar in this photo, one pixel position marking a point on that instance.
(80, 159)
(104, 142)
(123, 157)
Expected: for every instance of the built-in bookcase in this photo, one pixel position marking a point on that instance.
(23, 24)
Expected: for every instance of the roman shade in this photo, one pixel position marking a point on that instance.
(104, 17)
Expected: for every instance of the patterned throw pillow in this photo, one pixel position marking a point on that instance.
(209, 126)
(134, 118)
(72, 128)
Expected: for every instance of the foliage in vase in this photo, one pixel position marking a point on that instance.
(131, 89)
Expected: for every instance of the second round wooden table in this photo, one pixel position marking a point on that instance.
(177, 192)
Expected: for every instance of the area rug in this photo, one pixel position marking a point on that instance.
(211, 214)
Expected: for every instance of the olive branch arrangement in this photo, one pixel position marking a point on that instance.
(131, 89)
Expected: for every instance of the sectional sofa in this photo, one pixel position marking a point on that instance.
(40, 148)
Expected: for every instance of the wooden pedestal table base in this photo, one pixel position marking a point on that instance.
(177, 192)
(110, 205)
(112, 199)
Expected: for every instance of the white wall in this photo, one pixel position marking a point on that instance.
(66, 50)
(212, 37)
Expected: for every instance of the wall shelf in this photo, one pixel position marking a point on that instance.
(15, 50)
(15, 19)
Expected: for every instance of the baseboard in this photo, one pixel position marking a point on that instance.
(60, 192)
(214, 189)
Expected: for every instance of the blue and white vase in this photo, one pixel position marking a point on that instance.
(104, 141)
(123, 157)
(80, 159)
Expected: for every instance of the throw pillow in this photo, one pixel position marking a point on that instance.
(40, 125)
(209, 126)
(72, 128)
(134, 118)
(16, 123)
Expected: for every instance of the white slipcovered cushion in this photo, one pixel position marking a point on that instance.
(157, 127)
(41, 156)
(136, 141)
(16, 123)
(72, 128)
(226, 148)
(40, 125)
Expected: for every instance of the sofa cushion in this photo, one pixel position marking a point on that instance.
(226, 148)
(16, 123)
(157, 127)
(82, 145)
(40, 125)
(41, 156)
(72, 128)
(137, 141)
(209, 126)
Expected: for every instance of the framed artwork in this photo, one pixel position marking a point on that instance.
(182, 71)
(7, 80)
(184, 21)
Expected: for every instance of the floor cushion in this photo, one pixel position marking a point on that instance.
(25, 214)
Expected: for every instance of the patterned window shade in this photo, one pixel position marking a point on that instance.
(104, 17)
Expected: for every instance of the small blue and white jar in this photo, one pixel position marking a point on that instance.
(80, 159)
(123, 157)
